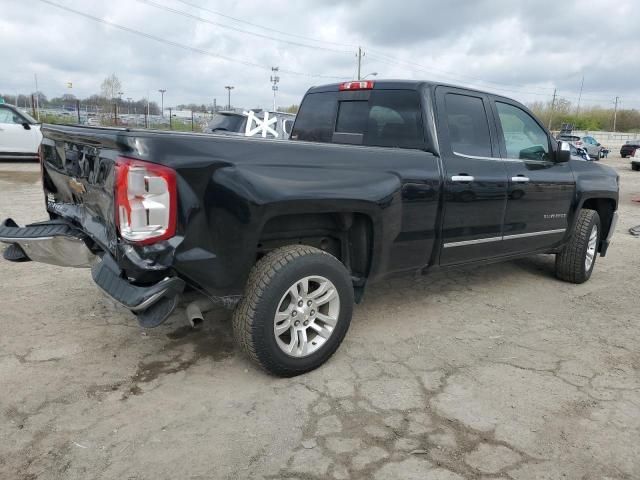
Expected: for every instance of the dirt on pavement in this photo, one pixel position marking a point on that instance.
(499, 371)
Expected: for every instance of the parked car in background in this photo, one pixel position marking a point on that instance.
(629, 148)
(20, 134)
(635, 161)
(252, 123)
(590, 144)
(579, 154)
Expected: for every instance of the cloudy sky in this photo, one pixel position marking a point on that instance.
(193, 48)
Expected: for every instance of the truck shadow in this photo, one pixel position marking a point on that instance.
(185, 346)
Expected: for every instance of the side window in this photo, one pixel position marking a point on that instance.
(394, 120)
(523, 137)
(8, 116)
(314, 122)
(468, 125)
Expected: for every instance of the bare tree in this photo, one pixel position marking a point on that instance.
(111, 86)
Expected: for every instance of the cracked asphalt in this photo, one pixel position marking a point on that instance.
(498, 372)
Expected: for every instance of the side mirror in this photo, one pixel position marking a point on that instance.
(597, 144)
(26, 126)
(563, 153)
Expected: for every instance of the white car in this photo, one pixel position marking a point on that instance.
(20, 134)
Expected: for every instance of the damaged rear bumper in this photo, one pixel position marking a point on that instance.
(58, 242)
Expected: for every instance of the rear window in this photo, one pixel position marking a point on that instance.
(227, 123)
(389, 118)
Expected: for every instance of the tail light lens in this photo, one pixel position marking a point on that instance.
(146, 201)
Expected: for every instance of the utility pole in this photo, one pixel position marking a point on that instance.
(37, 105)
(215, 105)
(553, 106)
(360, 55)
(615, 113)
(274, 79)
(162, 90)
(580, 96)
(170, 124)
(229, 88)
(129, 105)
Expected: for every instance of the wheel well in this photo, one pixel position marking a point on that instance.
(605, 208)
(347, 236)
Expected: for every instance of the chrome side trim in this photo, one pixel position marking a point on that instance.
(472, 242)
(534, 234)
(504, 237)
(614, 222)
(499, 159)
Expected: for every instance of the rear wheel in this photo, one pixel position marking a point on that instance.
(635, 166)
(296, 310)
(576, 260)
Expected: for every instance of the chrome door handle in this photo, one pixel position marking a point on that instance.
(462, 178)
(520, 179)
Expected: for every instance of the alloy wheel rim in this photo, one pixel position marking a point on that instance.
(591, 248)
(306, 316)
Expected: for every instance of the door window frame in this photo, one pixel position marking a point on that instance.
(501, 137)
(444, 138)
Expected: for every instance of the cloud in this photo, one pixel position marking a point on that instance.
(518, 48)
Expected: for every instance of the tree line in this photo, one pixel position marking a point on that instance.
(586, 118)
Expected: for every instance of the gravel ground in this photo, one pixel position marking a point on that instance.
(493, 372)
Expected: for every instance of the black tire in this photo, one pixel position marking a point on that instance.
(635, 166)
(269, 280)
(570, 262)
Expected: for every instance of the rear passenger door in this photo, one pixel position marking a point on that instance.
(540, 190)
(475, 189)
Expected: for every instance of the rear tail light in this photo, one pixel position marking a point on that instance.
(578, 143)
(146, 201)
(364, 85)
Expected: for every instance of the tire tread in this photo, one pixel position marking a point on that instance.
(570, 261)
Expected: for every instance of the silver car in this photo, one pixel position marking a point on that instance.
(588, 143)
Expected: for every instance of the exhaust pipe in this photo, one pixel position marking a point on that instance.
(196, 309)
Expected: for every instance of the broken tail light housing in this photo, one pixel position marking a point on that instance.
(359, 85)
(145, 201)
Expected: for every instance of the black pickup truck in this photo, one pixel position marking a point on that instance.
(376, 179)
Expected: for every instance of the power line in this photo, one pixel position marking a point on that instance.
(383, 57)
(239, 20)
(180, 45)
(235, 29)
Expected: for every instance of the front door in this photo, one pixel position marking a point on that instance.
(14, 138)
(475, 190)
(540, 190)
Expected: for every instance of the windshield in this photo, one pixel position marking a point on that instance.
(227, 122)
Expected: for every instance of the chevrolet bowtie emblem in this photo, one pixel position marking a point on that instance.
(76, 186)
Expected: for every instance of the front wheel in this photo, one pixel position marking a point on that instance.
(576, 260)
(296, 310)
